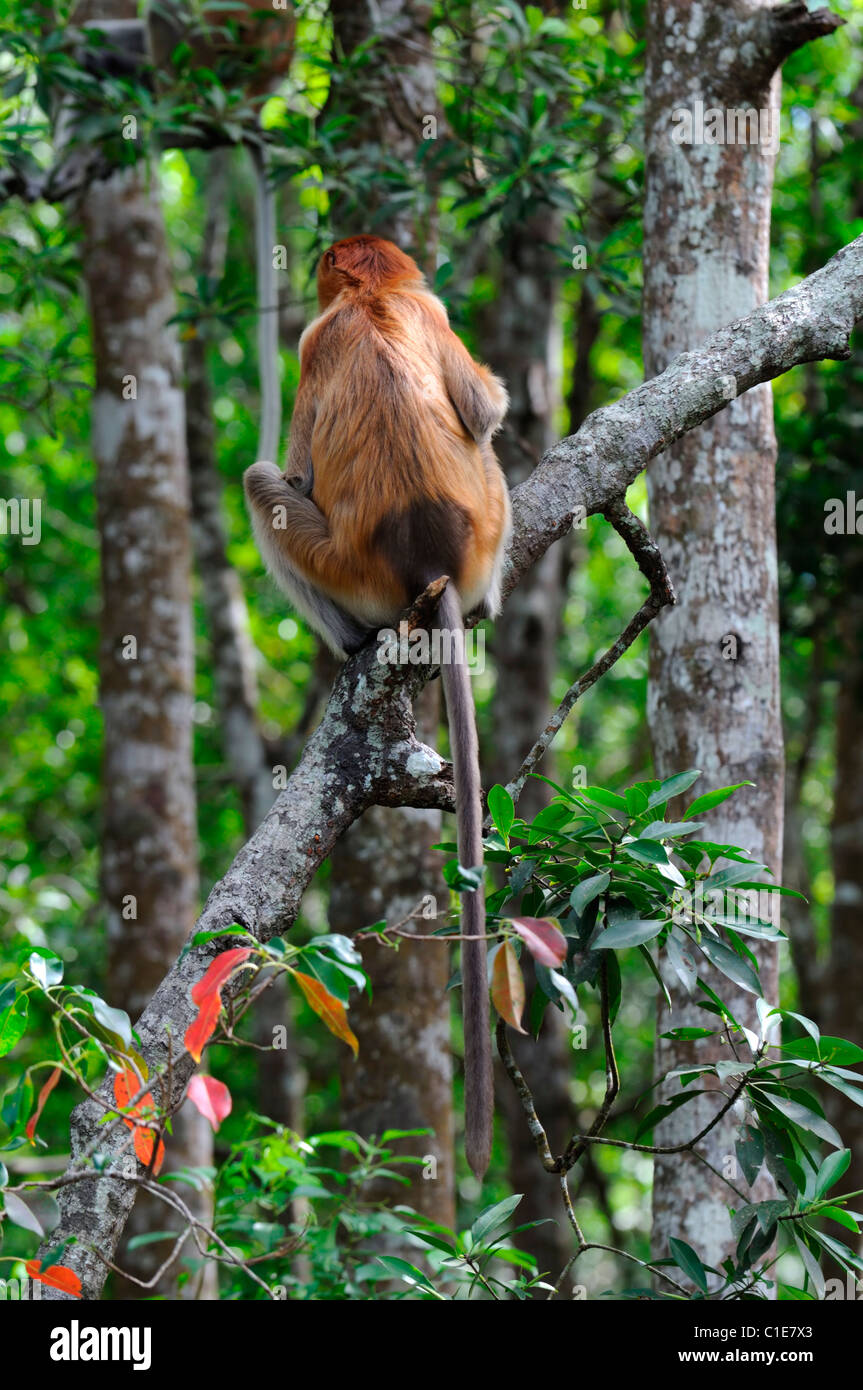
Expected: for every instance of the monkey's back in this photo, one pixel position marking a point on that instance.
(405, 487)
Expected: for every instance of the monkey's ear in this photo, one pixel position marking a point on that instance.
(331, 258)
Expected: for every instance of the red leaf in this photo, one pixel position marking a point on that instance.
(507, 985)
(40, 1104)
(543, 938)
(207, 995)
(327, 1007)
(199, 1033)
(127, 1085)
(218, 972)
(211, 1097)
(144, 1141)
(56, 1276)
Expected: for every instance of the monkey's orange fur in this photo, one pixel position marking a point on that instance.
(391, 479)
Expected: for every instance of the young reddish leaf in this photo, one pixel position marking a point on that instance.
(327, 1007)
(126, 1086)
(55, 1276)
(144, 1141)
(198, 1034)
(507, 985)
(218, 971)
(211, 1097)
(543, 938)
(40, 1104)
(207, 995)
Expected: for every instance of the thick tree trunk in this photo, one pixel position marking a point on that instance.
(149, 839)
(714, 679)
(402, 1078)
(841, 995)
(521, 338)
(841, 1007)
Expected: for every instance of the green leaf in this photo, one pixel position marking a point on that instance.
(768, 1213)
(711, 799)
(680, 955)
(35, 1211)
(805, 1118)
(844, 1218)
(831, 1170)
(686, 1259)
(502, 810)
(731, 965)
(655, 972)
(462, 879)
(854, 1093)
(667, 829)
(563, 987)
(838, 1249)
(341, 946)
(337, 979)
(13, 1024)
(729, 876)
(750, 1153)
(115, 1020)
(18, 1102)
(810, 1264)
(672, 787)
(610, 800)
(630, 931)
(646, 851)
(587, 890)
(46, 967)
(494, 1217)
(408, 1272)
(836, 1051)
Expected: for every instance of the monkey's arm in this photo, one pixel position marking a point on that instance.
(298, 469)
(480, 399)
(299, 550)
(286, 522)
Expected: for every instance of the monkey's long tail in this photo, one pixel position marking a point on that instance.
(478, 1081)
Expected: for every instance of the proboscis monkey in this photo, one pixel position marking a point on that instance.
(391, 482)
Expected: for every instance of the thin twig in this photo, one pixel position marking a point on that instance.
(537, 1133)
(649, 560)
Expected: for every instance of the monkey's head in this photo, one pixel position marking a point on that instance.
(364, 263)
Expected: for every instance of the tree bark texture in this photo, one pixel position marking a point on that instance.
(146, 659)
(714, 662)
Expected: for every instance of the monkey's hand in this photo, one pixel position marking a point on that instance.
(268, 473)
(303, 483)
